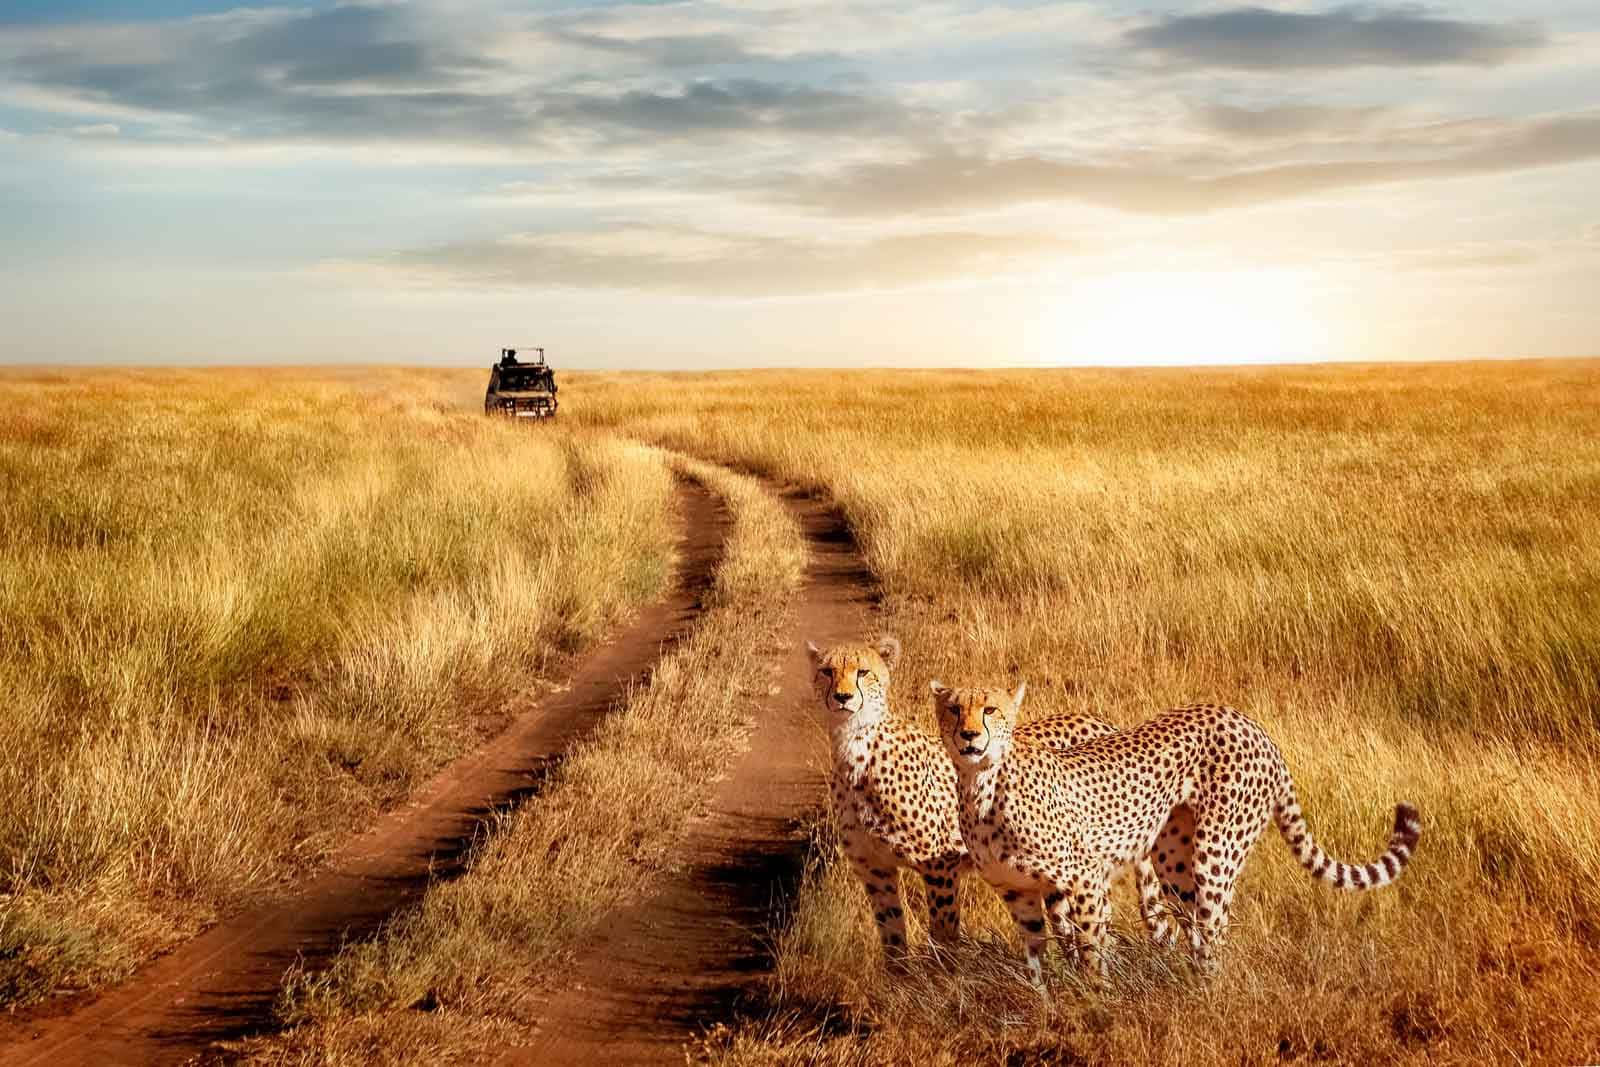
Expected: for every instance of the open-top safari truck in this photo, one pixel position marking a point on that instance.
(520, 390)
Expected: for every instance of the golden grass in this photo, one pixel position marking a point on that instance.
(601, 827)
(1395, 569)
(242, 611)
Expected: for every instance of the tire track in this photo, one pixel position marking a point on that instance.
(663, 970)
(221, 986)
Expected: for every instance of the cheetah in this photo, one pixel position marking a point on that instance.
(1062, 823)
(895, 796)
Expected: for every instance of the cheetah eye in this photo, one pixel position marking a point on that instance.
(862, 673)
(826, 672)
(989, 711)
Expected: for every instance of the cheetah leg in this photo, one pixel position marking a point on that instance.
(944, 908)
(1163, 931)
(883, 887)
(1056, 906)
(1088, 911)
(1028, 910)
(1216, 868)
(1150, 907)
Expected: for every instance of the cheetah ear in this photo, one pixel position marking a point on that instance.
(889, 649)
(814, 654)
(1016, 698)
(940, 690)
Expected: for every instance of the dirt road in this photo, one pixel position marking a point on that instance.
(665, 969)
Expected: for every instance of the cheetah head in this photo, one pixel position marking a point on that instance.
(976, 723)
(852, 681)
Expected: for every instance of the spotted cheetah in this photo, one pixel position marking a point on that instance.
(1039, 820)
(895, 795)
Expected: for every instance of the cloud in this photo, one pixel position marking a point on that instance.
(713, 32)
(951, 182)
(1286, 121)
(673, 50)
(703, 263)
(1473, 258)
(1569, 249)
(661, 50)
(349, 72)
(733, 107)
(352, 45)
(385, 73)
(1257, 38)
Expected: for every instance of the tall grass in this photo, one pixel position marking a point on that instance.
(1395, 569)
(1427, 532)
(242, 611)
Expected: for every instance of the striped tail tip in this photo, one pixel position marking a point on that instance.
(1353, 876)
(1387, 867)
(1407, 824)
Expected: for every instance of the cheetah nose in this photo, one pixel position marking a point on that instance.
(842, 698)
(969, 735)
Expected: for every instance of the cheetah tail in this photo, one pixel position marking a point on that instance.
(1380, 872)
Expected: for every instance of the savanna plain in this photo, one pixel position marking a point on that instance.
(241, 612)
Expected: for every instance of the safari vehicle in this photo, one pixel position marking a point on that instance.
(520, 390)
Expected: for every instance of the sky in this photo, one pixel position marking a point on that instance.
(695, 183)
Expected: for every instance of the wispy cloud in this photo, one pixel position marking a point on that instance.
(363, 73)
(739, 106)
(349, 72)
(952, 183)
(708, 263)
(1258, 38)
(668, 50)
(1286, 121)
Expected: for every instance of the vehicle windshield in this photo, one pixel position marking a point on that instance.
(520, 379)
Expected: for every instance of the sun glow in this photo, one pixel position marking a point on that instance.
(1184, 317)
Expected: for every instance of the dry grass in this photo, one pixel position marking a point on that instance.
(1395, 569)
(602, 826)
(242, 611)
